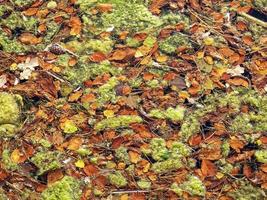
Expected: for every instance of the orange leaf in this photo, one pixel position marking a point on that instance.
(208, 168)
(54, 176)
(156, 5)
(88, 98)
(97, 57)
(238, 81)
(28, 38)
(75, 96)
(247, 171)
(104, 7)
(75, 143)
(236, 144)
(90, 170)
(30, 11)
(225, 51)
(134, 157)
(118, 54)
(76, 25)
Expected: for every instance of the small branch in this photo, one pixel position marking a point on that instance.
(253, 19)
(129, 191)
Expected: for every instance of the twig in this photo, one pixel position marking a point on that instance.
(253, 19)
(129, 191)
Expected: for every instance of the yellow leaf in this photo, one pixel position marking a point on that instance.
(124, 197)
(79, 164)
(108, 113)
(208, 41)
(15, 156)
(134, 157)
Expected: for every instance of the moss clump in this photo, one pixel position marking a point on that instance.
(193, 186)
(10, 111)
(122, 155)
(170, 44)
(132, 17)
(171, 18)
(179, 149)
(117, 179)
(46, 161)
(167, 165)
(261, 4)
(159, 150)
(261, 156)
(246, 191)
(174, 114)
(68, 188)
(253, 121)
(69, 127)
(107, 92)
(117, 122)
(7, 162)
(144, 184)
(22, 3)
(86, 71)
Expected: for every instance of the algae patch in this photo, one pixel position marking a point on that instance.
(10, 113)
(68, 188)
(117, 122)
(193, 185)
(117, 179)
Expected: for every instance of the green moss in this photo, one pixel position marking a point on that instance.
(172, 18)
(86, 71)
(104, 46)
(254, 121)
(107, 92)
(4, 9)
(144, 184)
(130, 17)
(122, 155)
(22, 3)
(69, 127)
(46, 161)
(7, 162)
(261, 156)
(117, 179)
(167, 165)
(67, 188)
(84, 152)
(10, 112)
(131, 42)
(225, 148)
(170, 44)
(117, 122)
(246, 191)
(16, 20)
(174, 114)
(193, 186)
(159, 150)
(179, 149)
(11, 45)
(261, 4)
(3, 195)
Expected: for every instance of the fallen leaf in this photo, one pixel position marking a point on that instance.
(208, 168)
(76, 25)
(90, 170)
(134, 157)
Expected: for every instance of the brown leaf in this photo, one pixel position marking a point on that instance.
(75, 143)
(247, 171)
(238, 81)
(28, 38)
(134, 157)
(90, 170)
(97, 57)
(156, 5)
(104, 7)
(75, 96)
(76, 25)
(236, 144)
(208, 168)
(54, 176)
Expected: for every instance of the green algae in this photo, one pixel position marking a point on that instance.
(159, 149)
(46, 161)
(117, 179)
(174, 114)
(132, 17)
(246, 191)
(122, 155)
(22, 3)
(68, 188)
(7, 162)
(86, 71)
(170, 44)
(167, 159)
(261, 156)
(107, 91)
(254, 121)
(10, 113)
(193, 185)
(117, 122)
(144, 184)
(167, 165)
